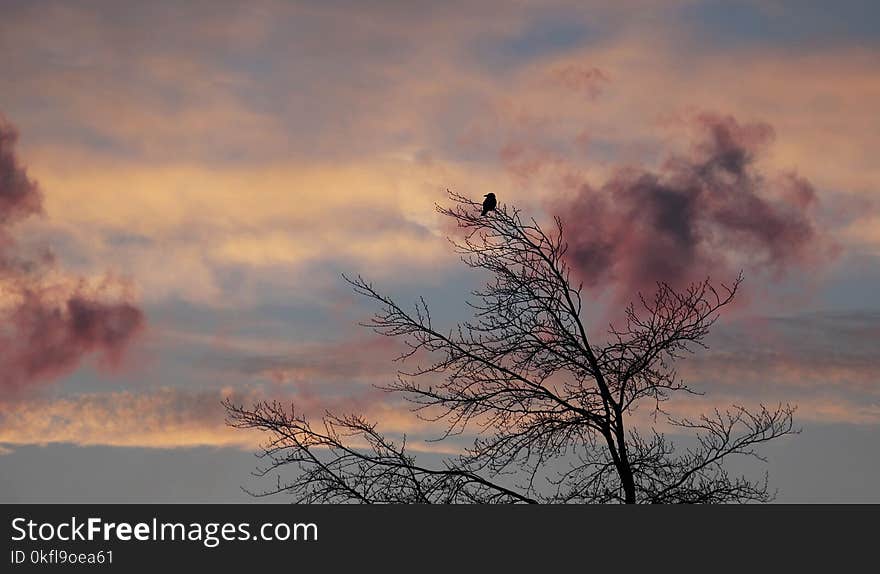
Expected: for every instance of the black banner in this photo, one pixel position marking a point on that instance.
(244, 538)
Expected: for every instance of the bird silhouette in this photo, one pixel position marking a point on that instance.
(489, 203)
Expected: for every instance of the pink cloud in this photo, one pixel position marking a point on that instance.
(48, 340)
(707, 212)
(48, 329)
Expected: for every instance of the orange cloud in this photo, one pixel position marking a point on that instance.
(171, 418)
(186, 222)
(289, 203)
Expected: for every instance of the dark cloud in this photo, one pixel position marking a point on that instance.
(46, 329)
(705, 213)
(19, 195)
(45, 339)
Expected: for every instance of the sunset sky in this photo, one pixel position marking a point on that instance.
(183, 183)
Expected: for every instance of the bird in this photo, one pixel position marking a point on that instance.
(489, 203)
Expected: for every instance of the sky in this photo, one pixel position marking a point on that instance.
(183, 184)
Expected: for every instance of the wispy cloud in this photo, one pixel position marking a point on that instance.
(808, 353)
(173, 418)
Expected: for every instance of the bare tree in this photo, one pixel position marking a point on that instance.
(524, 377)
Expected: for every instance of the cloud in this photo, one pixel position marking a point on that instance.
(707, 212)
(249, 170)
(823, 409)
(19, 195)
(167, 418)
(50, 320)
(180, 229)
(48, 340)
(364, 360)
(163, 418)
(586, 80)
(801, 353)
(825, 363)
